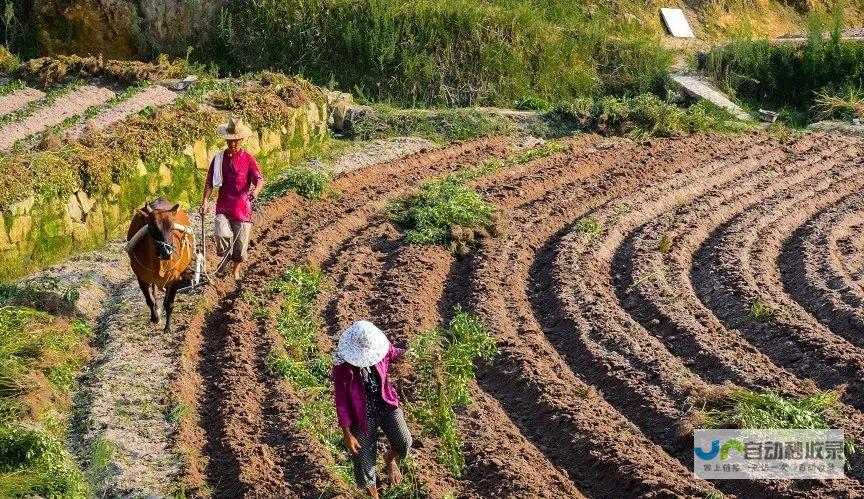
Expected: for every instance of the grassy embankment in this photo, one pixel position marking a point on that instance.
(40, 355)
(821, 79)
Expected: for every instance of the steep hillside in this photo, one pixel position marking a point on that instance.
(411, 52)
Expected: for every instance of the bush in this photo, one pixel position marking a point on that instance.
(777, 76)
(463, 52)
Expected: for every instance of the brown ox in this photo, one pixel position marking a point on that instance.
(160, 254)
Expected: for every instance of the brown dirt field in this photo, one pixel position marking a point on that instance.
(604, 340)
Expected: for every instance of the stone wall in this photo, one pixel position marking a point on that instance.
(35, 233)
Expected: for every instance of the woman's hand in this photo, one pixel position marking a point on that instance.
(350, 441)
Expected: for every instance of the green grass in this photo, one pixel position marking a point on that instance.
(12, 86)
(445, 362)
(39, 358)
(463, 52)
(33, 462)
(310, 183)
(761, 311)
(440, 125)
(643, 116)
(789, 78)
(665, 244)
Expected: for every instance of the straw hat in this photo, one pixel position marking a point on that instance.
(234, 129)
(362, 344)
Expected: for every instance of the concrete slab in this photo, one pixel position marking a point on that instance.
(701, 88)
(676, 23)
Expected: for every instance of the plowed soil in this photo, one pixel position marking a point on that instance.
(604, 338)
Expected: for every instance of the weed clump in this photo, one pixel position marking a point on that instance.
(443, 212)
(310, 183)
(445, 362)
(589, 226)
(33, 462)
(762, 311)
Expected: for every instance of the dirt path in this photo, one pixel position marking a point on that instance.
(64, 107)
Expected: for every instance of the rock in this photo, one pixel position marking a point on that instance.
(5, 243)
(140, 168)
(22, 207)
(338, 116)
(80, 232)
(270, 140)
(116, 189)
(73, 207)
(20, 228)
(96, 223)
(165, 175)
(85, 201)
(251, 144)
(202, 159)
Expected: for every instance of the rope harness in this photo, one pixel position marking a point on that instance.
(186, 248)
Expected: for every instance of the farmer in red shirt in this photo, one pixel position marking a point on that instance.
(235, 172)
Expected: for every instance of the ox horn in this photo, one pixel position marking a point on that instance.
(147, 208)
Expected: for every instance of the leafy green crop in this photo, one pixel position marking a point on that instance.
(445, 361)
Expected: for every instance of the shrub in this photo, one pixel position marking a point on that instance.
(8, 60)
(444, 359)
(531, 103)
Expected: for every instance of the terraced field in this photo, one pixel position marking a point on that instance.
(604, 336)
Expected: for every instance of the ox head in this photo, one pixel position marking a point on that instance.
(160, 224)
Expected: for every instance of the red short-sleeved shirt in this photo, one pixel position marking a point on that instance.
(239, 173)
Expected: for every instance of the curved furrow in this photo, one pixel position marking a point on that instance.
(738, 263)
(642, 379)
(253, 431)
(813, 274)
(530, 379)
(668, 307)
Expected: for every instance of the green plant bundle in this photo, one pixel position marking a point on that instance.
(46, 101)
(310, 183)
(746, 409)
(445, 362)
(462, 52)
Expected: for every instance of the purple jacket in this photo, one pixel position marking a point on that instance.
(350, 395)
